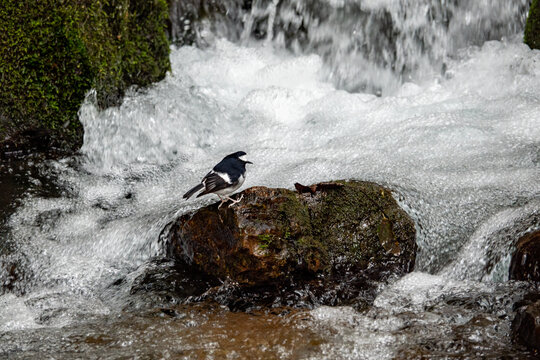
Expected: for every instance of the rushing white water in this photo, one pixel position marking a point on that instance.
(461, 151)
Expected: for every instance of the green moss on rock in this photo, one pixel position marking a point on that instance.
(360, 223)
(329, 243)
(53, 51)
(273, 233)
(532, 28)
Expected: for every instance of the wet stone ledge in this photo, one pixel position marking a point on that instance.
(525, 266)
(525, 263)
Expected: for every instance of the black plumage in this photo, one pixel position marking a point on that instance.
(227, 176)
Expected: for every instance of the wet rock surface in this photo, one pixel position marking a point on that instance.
(526, 325)
(330, 243)
(164, 282)
(525, 263)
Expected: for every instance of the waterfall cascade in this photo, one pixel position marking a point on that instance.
(366, 45)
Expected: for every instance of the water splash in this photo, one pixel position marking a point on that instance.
(487, 254)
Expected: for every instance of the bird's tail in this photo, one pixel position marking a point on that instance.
(193, 191)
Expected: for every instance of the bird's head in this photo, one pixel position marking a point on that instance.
(240, 155)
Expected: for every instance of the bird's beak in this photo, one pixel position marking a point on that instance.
(249, 162)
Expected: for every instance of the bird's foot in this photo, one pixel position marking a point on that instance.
(223, 201)
(234, 202)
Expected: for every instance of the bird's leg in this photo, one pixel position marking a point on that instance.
(222, 201)
(235, 201)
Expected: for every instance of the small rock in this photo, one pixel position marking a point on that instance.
(525, 263)
(526, 326)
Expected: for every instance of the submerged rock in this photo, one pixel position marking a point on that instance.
(525, 264)
(330, 243)
(162, 282)
(526, 326)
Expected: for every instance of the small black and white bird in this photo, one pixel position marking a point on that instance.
(227, 176)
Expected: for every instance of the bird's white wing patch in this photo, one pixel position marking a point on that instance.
(206, 177)
(225, 177)
(243, 158)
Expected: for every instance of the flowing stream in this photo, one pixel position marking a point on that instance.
(437, 100)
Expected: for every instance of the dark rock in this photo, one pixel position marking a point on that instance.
(165, 282)
(526, 326)
(331, 245)
(525, 263)
(14, 272)
(532, 28)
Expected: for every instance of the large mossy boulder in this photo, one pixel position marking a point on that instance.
(329, 243)
(52, 52)
(532, 28)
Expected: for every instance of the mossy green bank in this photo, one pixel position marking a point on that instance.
(52, 52)
(532, 28)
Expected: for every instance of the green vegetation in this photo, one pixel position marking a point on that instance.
(356, 223)
(532, 29)
(264, 241)
(350, 222)
(53, 51)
